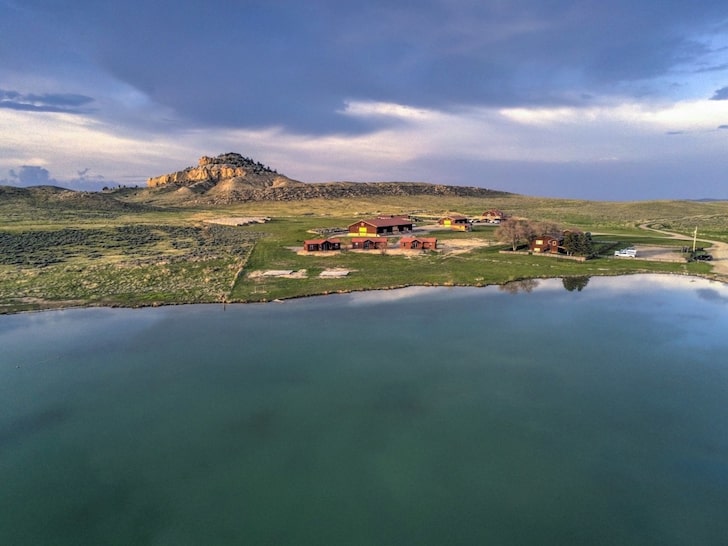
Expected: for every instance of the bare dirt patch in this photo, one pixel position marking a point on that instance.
(239, 220)
(279, 273)
(719, 251)
(302, 252)
(658, 253)
(334, 273)
(460, 246)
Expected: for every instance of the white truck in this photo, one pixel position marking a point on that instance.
(626, 253)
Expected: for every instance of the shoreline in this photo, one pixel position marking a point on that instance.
(96, 305)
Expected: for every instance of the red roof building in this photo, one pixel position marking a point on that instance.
(381, 226)
(456, 222)
(369, 243)
(453, 219)
(418, 243)
(321, 245)
(546, 243)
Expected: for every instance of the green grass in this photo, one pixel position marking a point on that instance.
(53, 255)
(377, 270)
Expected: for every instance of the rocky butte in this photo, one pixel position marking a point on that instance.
(223, 168)
(230, 178)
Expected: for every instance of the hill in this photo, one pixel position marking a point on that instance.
(40, 203)
(231, 178)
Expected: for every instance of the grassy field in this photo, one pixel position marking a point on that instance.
(122, 253)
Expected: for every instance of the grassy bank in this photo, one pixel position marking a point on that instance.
(377, 270)
(133, 255)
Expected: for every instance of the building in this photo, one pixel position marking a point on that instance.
(494, 216)
(321, 245)
(546, 244)
(455, 221)
(369, 243)
(418, 243)
(388, 225)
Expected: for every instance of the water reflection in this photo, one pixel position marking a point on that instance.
(711, 295)
(576, 283)
(514, 287)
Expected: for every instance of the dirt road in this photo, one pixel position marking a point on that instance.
(717, 249)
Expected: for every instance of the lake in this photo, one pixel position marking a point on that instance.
(590, 411)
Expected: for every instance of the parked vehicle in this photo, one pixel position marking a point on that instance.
(626, 253)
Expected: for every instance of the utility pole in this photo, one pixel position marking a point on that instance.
(695, 237)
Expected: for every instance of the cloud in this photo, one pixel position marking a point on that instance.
(454, 91)
(722, 126)
(720, 94)
(712, 68)
(31, 175)
(89, 181)
(297, 65)
(50, 102)
(617, 151)
(35, 175)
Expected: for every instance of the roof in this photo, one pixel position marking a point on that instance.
(385, 222)
(420, 239)
(545, 240)
(373, 239)
(320, 241)
(455, 217)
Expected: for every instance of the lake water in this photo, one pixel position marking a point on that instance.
(595, 415)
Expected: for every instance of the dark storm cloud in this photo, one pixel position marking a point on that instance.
(295, 64)
(720, 94)
(51, 102)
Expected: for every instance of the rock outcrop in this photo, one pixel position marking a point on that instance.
(232, 178)
(210, 171)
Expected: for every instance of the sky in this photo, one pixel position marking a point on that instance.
(606, 100)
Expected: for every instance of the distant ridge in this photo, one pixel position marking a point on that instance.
(230, 178)
(49, 197)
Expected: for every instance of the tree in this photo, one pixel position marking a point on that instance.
(547, 228)
(571, 243)
(514, 232)
(578, 243)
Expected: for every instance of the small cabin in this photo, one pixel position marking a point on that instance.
(455, 221)
(369, 243)
(418, 243)
(546, 244)
(321, 245)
